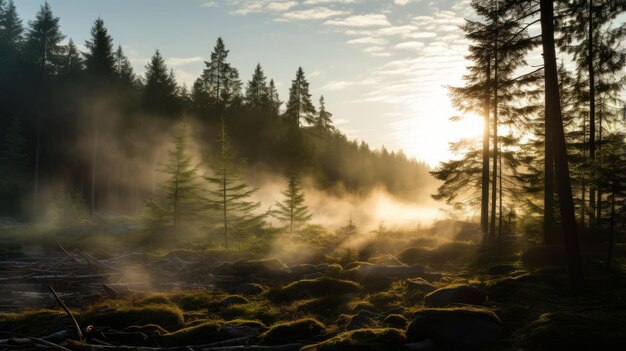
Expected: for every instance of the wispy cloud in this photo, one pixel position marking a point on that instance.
(181, 61)
(369, 20)
(315, 13)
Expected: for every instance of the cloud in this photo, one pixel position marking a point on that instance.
(409, 45)
(315, 13)
(367, 40)
(335, 85)
(281, 6)
(181, 61)
(210, 4)
(370, 20)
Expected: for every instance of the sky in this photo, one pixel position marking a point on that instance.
(382, 66)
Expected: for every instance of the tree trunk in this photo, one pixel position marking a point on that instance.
(555, 120)
(484, 200)
(592, 117)
(583, 191)
(494, 175)
(612, 231)
(500, 200)
(94, 154)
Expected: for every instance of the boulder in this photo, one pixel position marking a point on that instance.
(455, 294)
(307, 329)
(233, 300)
(249, 289)
(418, 287)
(378, 275)
(395, 321)
(455, 328)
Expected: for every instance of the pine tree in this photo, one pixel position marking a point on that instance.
(292, 210)
(257, 93)
(273, 99)
(43, 42)
(180, 193)
(160, 89)
(72, 64)
(123, 69)
(221, 80)
(99, 58)
(349, 230)
(10, 35)
(299, 106)
(324, 120)
(231, 196)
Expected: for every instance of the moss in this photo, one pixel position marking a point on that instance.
(395, 321)
(370, 339)
(193, 300)
(121, 315)
(233, 300)
(314, 288)
(327, 305)
(34, 323)
(455, 294)
(260, 310)
(246, 323)
(302, 330)
(203, 333)
(590, 330)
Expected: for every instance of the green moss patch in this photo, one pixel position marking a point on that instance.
(302, 330)
(370, 339)
(322, 286)
(122, 315)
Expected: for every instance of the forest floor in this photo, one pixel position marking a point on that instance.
(412, 296)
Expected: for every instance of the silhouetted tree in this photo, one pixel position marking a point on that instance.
(221, 80)
(257, 94)
(160, 90)
(299, 106)
(292, 210)
(324, 121)
(230, 195)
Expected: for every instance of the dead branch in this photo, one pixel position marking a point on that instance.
(69, 313)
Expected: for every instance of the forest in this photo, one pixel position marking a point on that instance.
(138, 213)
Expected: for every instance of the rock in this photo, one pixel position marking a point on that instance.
(385, 260)
(318, 287)
(413, 255)
(377, 275)
(314, 270)
(426, 345)
(249, 289)
(233, 300)
(418, 286)
(358, 321)
(455, 328)
(266, 268)
(395, 321)
(455, 294)
(369, 339)
(501, 269)
(307, 329)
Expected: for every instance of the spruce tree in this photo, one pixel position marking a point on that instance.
(324, 120)
(221, 80)
(160, 90)
(273, 99)
(230, 196)
(72, 63)
(123, 69)
(99, 58)
(257, 93)
(43, 42)
(11, 42)
(179, 198)
(299, 106)
(292, 211)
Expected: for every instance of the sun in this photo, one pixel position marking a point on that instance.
(427, 135)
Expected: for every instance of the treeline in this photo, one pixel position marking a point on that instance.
(86, 123)
(553, 144)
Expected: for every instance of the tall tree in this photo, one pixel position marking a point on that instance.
(160, 89)
(123, 69)
(324, 120)
(180, 195)
(273, 99)
(257, 93)
(43, 50)
(299, 106)
(72, 63)
(220, 79)
(99, 58)
(555, 119)
(231, 196)
(292, 210)
(11, 42)
(13, 168)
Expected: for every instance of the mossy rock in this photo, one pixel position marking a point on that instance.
(270, 267)
(455, 328)
(203, 333)
(318, 287)
(193, 300)
(260, 310)
(602, 329)
(413, 255)
(121, 316)
(455, 294)
(233, 300)
(368, 339)
(300, 331)
(395, 321)
(249, 289)
(327, 305)
(35, 323)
